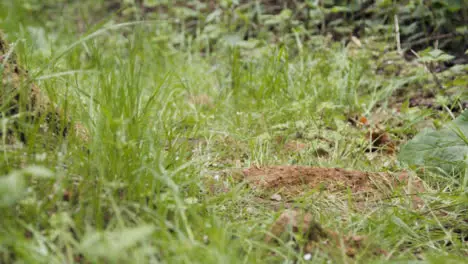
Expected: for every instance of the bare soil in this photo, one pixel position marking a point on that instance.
(293, 180)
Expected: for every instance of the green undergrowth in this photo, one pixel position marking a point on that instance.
(167, 123)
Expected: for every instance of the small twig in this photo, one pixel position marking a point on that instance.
(397, 35)
(324, 19)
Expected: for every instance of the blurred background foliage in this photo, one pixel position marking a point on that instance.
(432, 34)
(422, 22)
(212, 28)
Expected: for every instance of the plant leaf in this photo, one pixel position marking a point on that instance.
(12, 187)
(38, 171)
(111, 245)
(446, 149)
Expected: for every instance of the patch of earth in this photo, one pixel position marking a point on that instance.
(294, 224)
(291, 181)
(381, 140)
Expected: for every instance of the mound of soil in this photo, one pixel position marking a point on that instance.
(292, 180)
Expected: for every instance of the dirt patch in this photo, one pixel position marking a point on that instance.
(332, 179)
(380, 140)
(293, 224)
(293, 180)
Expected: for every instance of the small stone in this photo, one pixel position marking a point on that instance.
(206, 239)
(276, 197)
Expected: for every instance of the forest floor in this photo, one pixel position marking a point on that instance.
(160, 145)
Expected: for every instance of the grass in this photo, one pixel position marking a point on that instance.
(151, 183)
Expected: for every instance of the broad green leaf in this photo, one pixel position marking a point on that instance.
(236, 40)
(150, 3)
(12, 187)
(446, 149)
(436, 55)
(111, 245)
(38, 171)
(280, 18)
(462, 29)
(454, 5)
(338, 9)
(213, 15)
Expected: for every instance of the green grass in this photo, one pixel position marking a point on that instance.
(151, 184)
